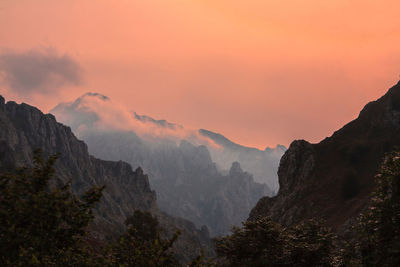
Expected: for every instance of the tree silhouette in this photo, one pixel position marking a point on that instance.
(40, 225)
(379, 226)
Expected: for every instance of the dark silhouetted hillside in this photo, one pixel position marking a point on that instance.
(334, 178)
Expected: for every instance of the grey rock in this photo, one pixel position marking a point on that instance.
(188, 182)
(24, 128)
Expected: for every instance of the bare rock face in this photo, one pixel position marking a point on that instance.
(192, 181)
(24, 128)
(263, 164)
(187, 181)
(296, 165)
(296, 168)
(334, 178)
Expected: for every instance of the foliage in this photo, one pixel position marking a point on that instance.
(310, 244)
(42, 225)
(142, 244)
(266, 243)
(374, 240)
(202, 261)
(257, 243)
(39, 225)
(378, 230)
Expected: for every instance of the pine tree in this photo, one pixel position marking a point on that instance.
(142, 245)
(40, 225)
(379, 225)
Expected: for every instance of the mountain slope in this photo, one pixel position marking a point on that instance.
(94, 111)
(188, 182)
(24, 128)
(333, 179)
(263, 164)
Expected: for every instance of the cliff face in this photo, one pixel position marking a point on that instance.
(334, 178)
(192, 187)
(262, 164)
(187, 181)
(24, 128)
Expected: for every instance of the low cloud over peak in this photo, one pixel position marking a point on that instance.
(94, 115)
(38, 71)
(98, 95)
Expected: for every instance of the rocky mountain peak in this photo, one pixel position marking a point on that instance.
(384, 111)
(95, 95)
(235, 169)
(24, 128)
(139, 171)
(160, 123)
(334, 178)
(296, 165)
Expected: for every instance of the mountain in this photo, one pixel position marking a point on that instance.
(24, 128)
(263, 164)
(94, 111)
(334, 178)
(189, 184)
(161, 123)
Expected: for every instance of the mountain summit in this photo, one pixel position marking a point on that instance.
(334, 178)
(96, 112)
(24, 128)
(263, 164)
(195, 178)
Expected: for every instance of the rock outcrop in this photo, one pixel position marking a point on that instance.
(188, 182)
(24, 128)
(262, 164)
(334, 178)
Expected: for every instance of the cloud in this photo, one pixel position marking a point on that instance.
(94, 112)
(38, 71)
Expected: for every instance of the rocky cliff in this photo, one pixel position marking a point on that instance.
(188, 182)
(262, 164)
(334, 178)
(24, 128)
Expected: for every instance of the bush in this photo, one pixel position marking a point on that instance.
(378, 230)
(39, 225)
(142, 244)
(266, 243)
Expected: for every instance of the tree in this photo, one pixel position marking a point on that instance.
(258, 243)
(378, 238)
(267, 243)
(40, 225)
(142, 244)
(310, 244)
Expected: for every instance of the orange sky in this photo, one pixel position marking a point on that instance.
(260, 72)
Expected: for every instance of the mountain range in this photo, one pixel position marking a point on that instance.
(197, 174)
(24, 128)
(331, 180)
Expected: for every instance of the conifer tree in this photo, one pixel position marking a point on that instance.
(40, 225)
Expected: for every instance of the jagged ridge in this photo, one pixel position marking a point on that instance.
(333, 179)
(24, 128)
